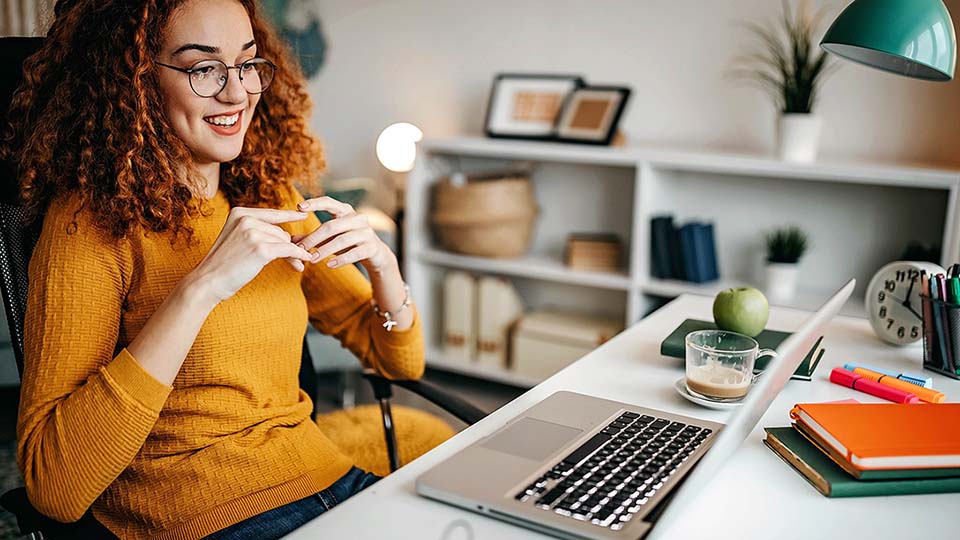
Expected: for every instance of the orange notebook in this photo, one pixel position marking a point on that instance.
(887, 435)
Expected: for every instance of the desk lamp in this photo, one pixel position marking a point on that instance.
(914, 38)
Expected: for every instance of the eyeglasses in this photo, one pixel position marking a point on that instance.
(209, 77)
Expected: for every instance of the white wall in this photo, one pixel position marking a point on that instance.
(431, 62)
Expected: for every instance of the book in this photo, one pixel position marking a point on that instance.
(832, 481)
(688, 247)
(876, 474)
(704, 252)
(661, 228)
(677, 268)
(710, 252)
(886, 435)
(675, 346)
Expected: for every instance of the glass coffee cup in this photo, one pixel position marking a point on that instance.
(720, 363)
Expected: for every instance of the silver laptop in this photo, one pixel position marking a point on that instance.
(577, 466)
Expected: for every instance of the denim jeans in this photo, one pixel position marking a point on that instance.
(283, 520)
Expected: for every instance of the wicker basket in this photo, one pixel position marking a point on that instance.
(489, 217)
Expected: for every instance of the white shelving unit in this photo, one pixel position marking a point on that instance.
(859, 216)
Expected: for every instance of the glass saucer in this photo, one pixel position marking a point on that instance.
(711, 403)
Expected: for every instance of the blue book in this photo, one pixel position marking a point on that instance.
(709, 251)
(688, 245)
(660, 230)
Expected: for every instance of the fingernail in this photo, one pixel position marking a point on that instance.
(302, 206)
(299, 245)
(332, 263)
(316, 256)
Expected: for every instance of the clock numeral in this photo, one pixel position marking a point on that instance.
(881, 297)
(914, 332)
(901, 275)
(901, 332)
(913, 275)
(883, 311)
(890, 285)
(889, 323)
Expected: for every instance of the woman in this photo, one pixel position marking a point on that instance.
(176, 271)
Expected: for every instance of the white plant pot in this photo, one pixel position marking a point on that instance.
(798, 137)
(781, 281)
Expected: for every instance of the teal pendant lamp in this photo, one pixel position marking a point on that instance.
(914, 38)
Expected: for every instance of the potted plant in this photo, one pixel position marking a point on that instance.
(791, 67)
(785, 247)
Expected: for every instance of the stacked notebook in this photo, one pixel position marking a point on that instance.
(868, 449)
(675, 346)
(595, 252)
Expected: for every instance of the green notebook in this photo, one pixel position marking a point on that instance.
(675, 347)
(830, 480)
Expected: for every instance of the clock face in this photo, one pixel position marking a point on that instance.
(893, 301)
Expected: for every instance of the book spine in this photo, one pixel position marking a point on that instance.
(878, 488)
(688, 247)
(660, 229)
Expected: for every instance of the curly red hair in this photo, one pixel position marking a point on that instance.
(88, 119)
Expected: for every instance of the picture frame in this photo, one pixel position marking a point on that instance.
(527, 105)
(592, 114)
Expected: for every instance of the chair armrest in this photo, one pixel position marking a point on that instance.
(460, 408)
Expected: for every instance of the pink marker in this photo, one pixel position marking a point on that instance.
(850, 379)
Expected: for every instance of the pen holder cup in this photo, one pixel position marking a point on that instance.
(941, 336)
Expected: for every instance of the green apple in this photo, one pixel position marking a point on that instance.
(743, 310)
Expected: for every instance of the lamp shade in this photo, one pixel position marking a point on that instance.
(908, 37)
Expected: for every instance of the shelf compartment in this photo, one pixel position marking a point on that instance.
(535, 267)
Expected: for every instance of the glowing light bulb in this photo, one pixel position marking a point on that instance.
(397, 146)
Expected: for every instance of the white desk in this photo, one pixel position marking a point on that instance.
(764, 496)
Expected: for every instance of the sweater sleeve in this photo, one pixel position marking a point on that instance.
(338, 303)
(85, 410)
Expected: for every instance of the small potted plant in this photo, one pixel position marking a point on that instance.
(791, 67)
(785, 247)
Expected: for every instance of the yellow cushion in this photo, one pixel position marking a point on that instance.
(359, 434)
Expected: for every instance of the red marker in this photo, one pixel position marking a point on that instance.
(850, 379)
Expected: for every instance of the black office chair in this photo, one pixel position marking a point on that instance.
(16, 247)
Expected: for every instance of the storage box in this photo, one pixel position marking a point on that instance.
(498, 308)
(545, 342)
(459, 314)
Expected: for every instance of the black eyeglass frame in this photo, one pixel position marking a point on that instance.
(192, 69)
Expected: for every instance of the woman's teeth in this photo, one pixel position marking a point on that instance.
(222, 120)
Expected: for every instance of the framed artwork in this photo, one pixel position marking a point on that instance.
(526, 106)
(591, 114)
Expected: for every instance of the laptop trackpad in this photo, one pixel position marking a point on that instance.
(532, 439)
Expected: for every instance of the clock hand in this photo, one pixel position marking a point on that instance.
(908, 306)
(906, 301)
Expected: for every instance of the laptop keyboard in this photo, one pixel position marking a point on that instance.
(613, 475)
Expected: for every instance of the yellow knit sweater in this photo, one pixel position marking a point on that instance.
(233, 437)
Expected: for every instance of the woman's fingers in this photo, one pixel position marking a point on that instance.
(334, 227)
(333, 206)
(268, 215)
(344, 241)
(358, 253)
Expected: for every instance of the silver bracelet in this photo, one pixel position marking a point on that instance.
(390, 317)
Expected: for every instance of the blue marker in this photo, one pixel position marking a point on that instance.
(919, 380)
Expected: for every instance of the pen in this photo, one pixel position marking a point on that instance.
(860, 383)
(925, 394)
(919, 380)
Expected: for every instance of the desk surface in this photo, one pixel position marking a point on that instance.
(766, 498)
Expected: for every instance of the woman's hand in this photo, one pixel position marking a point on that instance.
(348, 236)
(249, 240)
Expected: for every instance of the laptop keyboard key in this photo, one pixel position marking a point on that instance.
(586, 448)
